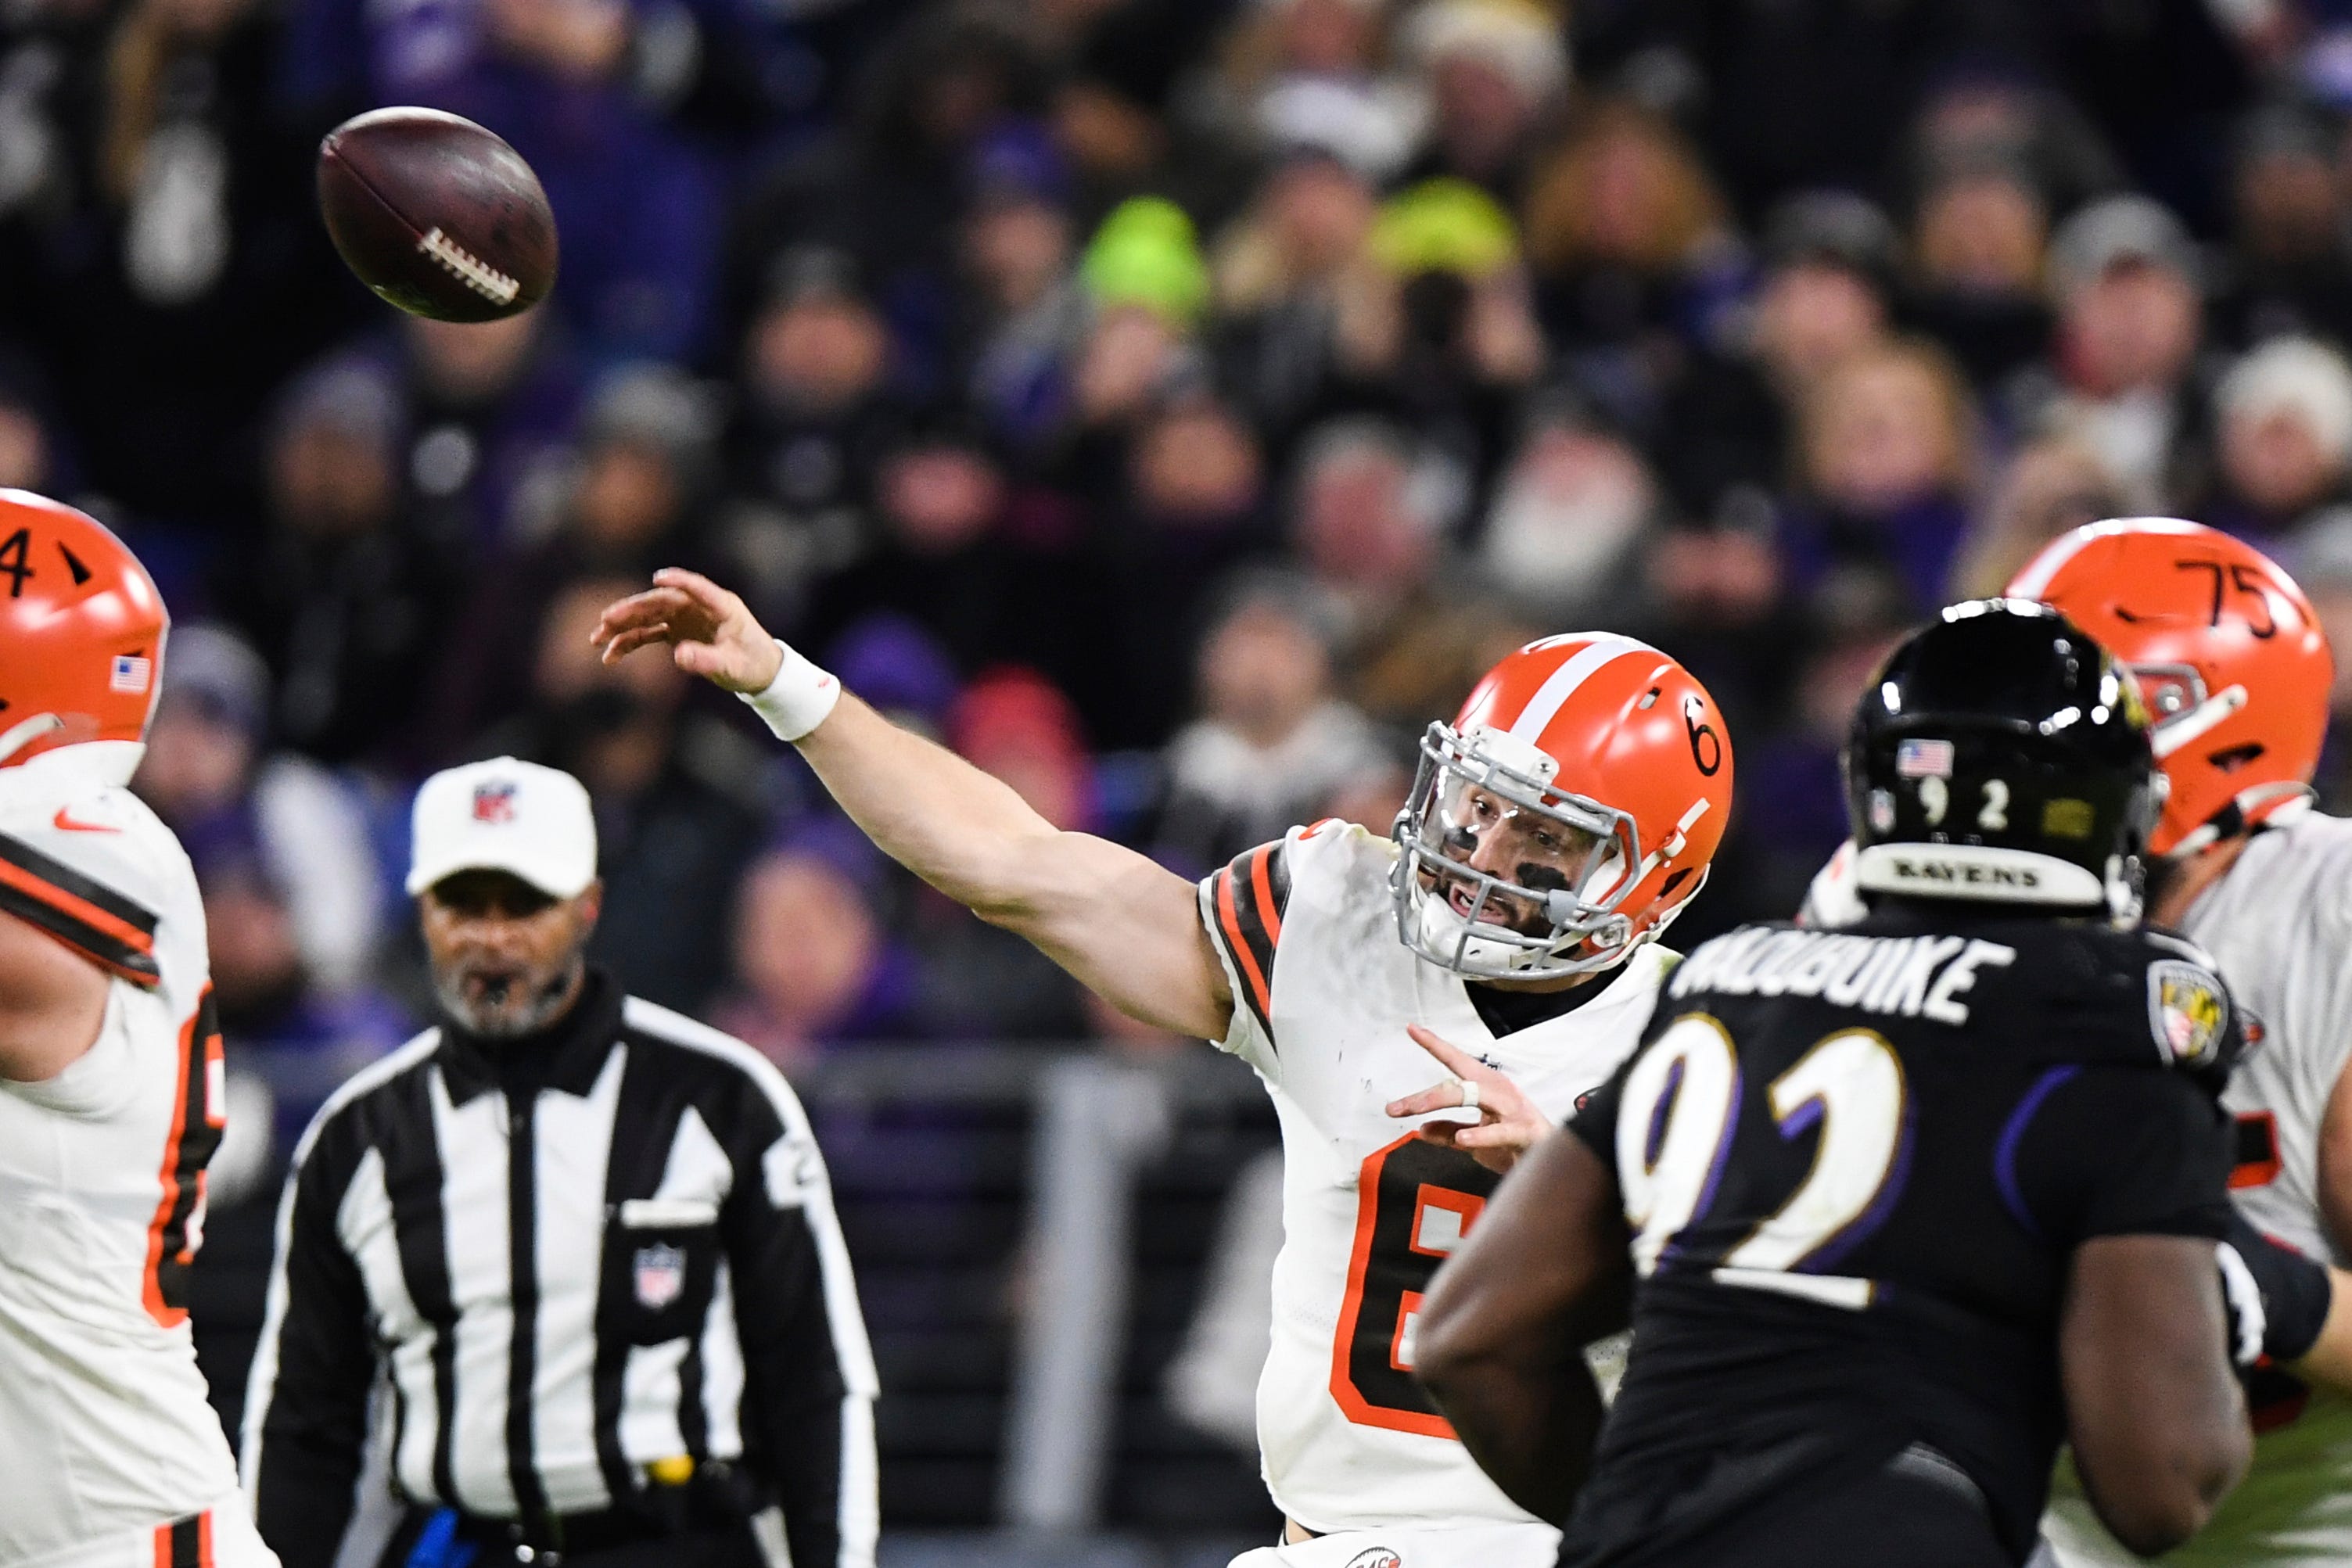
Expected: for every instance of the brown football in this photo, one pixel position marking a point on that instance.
(436, 214)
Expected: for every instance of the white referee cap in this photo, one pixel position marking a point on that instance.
(529, 821)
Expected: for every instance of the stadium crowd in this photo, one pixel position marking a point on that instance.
(1171, 403)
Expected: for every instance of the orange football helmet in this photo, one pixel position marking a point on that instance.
(2229, 657)
(1566, 816)
(81, 633)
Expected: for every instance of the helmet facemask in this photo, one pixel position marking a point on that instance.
(1572, 863)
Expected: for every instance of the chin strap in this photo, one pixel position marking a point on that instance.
(22, 734)
(2240, 816)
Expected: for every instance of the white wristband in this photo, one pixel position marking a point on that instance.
(798, 699)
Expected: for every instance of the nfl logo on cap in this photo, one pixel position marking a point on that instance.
(130, 673)
(504, 814)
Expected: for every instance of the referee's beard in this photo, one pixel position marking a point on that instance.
(503, 1006)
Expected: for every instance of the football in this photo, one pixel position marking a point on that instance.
(436, 214)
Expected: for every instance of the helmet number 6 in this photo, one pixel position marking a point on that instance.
(1706, 747)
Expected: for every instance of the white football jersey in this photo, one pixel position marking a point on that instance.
(1323, 989)
(2279, 923)
(109, 1453)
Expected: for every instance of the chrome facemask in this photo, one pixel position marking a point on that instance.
(1585, 929)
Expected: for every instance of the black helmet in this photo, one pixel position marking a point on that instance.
(2003, 756)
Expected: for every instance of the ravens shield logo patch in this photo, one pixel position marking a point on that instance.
(2188, 1010)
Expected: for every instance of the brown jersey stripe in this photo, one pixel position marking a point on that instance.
(1253, 893)
(1236, 943)
(42, 907)
(97, 903)
(185, 1542)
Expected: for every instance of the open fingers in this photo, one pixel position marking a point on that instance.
(628, 643)
(1500, 1135)
(1445, 1096)
(1454, 1060)
(654, 606)
(714, 600)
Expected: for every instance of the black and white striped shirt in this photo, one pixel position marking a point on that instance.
(575, 1262)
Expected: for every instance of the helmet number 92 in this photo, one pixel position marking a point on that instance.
(1936, 803)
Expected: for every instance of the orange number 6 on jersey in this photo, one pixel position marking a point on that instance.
(1414, 1202)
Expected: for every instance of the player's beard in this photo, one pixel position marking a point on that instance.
(509, 1007)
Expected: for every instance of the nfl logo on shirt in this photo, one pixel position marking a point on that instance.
(494, 802)
(660, 1275)
(129, 674)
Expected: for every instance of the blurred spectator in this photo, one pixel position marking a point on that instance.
(813, 965)
(2293, 257)
(1622, 219)
(1976, 248)
(1280, 271)
(207, 775)
(1369, 518)
(1273, 742)
(882, 188)
(1439, 331)
(816, 413)
(1491, 69)
(900, 669)
(490, 407)
(1986, 112)
(631, 501)
(1725, 444)
(2049, 487)
(1792, 804)
(981, 981)
(293, 897)
(1122, 617)
(937, 557)
(1310, 73)
(345, 599)
(2285, 438)
(173, 270)
(1024, 314)
(1570, 516)
(2126, 280)
(1016, 725)
(1889, 445)
(678, 794)
(1369, 526)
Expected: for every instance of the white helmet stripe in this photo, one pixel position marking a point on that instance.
(2035, 580)
(1553, 695)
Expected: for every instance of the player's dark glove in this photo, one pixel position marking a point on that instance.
(2277, 1298)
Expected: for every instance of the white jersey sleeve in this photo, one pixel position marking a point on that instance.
(1242, 906)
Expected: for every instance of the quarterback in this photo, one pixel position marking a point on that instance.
(1554, 829)
(110, 1084)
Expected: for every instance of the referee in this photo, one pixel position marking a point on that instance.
(585, 1245)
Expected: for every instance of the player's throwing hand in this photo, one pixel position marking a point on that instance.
(711, 632)
(1508, 1123)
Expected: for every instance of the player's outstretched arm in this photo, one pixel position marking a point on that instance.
(51, 1004)
(1127, 929)
(1544, 1274)
(2155, 1415)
